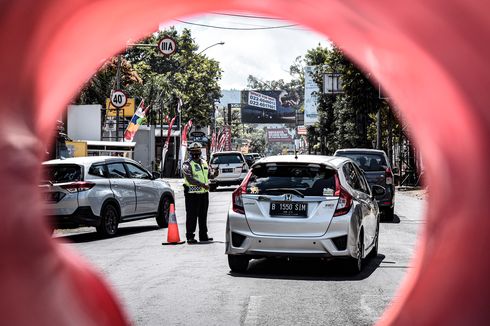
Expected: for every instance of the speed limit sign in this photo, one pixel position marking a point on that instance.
(167, 45)
(118, 98)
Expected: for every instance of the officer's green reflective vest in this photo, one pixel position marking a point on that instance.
(200, 174)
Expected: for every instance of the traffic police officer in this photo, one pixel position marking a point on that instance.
(196, 190)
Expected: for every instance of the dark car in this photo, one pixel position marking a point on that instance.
(377, 169)
(250, 159)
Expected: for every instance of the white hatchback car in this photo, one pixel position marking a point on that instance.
(227, 169)
(307, 206)
(103, 192)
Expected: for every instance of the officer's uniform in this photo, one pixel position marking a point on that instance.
(196, 198)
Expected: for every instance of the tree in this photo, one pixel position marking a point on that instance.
(161, 81)
(187, 75)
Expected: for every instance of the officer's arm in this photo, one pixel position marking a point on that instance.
(187, 171)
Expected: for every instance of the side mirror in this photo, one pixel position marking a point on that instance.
(377, 190)
(156, 175)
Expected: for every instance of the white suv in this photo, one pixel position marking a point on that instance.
(103, 192)
(227, 169)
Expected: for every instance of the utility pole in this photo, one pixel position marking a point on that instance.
(378, 129)
(118, 86)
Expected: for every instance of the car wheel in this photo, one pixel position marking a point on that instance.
(163, 212)
(109, 220)
(374, 251)
(238, 264)
(389, 213)
(356, 263)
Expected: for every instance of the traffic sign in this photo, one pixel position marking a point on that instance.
(167, 45)
(118, 98)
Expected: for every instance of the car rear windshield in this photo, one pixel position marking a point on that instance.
(227, 159)
(367, 161)
(62, 173)
(305, 180)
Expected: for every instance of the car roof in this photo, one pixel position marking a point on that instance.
(227, 152)
(360, 150)
(87, 160)
(333, 161)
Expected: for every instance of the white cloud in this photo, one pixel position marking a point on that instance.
(265, 54)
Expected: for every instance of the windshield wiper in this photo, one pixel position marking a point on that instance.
(296, 191)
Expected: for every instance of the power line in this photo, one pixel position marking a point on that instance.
(245, 16)
(237, 28)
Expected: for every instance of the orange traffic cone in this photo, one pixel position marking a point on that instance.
(173, 237)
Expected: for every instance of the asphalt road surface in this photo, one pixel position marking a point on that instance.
(192, 284)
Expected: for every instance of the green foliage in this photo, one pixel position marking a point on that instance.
(346, 118)
(161, 80)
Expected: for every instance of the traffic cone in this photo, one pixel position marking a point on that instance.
(173, 236)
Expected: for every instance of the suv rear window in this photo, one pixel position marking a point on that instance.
(227, 159)
(63, 173)
(304, 179)
(367, 161)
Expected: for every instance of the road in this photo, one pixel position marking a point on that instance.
(192, 284)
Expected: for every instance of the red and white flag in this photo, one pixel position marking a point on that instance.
(183, 145)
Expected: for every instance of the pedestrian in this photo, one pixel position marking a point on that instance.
(196, 192)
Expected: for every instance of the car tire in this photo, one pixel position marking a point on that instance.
(389, 213)
(356, 264)
(163, 212)
(238, 264)
(109, 221)
(374, 251)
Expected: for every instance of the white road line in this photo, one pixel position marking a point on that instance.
(252, 316)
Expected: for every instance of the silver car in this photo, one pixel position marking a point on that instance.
(308, 206)
(103, 192)
(227, 169)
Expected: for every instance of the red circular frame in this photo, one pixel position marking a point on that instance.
(430, 55)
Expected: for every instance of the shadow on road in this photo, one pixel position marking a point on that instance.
(94, 236)
(395, 220)
(308, 269)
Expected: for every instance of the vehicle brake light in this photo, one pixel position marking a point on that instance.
(345, 199)
(78, 186)
(237, 202)
(389, 176)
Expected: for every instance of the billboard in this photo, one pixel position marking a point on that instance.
(278, 135)
(311, 89)
(269, 106)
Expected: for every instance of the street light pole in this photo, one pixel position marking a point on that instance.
(219, 43)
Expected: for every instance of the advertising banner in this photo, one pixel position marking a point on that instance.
(279, 135)
(135, 122)
(311, 104)
(276, 106)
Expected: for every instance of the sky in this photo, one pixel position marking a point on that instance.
(265, 54)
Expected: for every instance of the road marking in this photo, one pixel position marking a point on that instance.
(252, 314)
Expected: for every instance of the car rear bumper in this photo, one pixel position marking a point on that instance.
(83, 216)
(338, 241)
(223, 180)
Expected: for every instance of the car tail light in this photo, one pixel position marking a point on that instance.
(389, 176)
(78, 186)
(237, 202)
(345, 199)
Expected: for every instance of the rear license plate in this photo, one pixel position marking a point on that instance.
(227, 170)
(288, 208)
